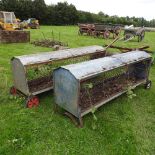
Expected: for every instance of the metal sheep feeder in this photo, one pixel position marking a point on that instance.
(32, 73)
(80, 87)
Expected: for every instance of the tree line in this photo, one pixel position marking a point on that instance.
(65, 14)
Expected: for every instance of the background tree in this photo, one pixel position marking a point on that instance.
(65, 14)
(39, 10)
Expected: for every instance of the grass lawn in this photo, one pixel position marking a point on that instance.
(124, 127)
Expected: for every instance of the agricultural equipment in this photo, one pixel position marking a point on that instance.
(131, 33)
(8, 21)
(10, 30)
(30, 23)
(105, 30)
(80, 88)
(32, 73)
(127, 49)
(86, 29)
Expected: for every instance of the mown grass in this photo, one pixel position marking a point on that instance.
(124, 126)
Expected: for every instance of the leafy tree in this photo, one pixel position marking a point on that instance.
(39, 10)
(65, 14)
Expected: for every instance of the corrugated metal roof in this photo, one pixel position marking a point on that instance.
(93, 67)
(56, 55)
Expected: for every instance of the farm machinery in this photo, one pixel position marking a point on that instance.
(8, 21)
(10, 30)
(106, 29)
(86, 29)
(30, 23)
(97, 30)
(130, 33)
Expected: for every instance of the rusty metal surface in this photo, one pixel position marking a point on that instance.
(126, 49)
(103, 27)
(14, 36)
(94, 67)
(57, 55)
(109, 27)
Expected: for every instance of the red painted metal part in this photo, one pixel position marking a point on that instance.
(13, 91)
(32, 102)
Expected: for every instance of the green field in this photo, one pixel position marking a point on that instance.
(124, 127)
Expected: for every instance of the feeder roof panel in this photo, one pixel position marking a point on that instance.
(130, 57)
(94, 67)
(57, 55)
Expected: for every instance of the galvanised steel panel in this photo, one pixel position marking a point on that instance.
(57, 55)
(19, 78)
(68, 79)
(130, 57)
(93, 67)
(19, 64)
(66, 89)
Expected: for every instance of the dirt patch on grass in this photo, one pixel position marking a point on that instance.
(57, 45)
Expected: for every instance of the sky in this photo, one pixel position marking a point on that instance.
(137, 8)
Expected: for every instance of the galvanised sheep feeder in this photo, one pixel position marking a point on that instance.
(80, 87)
(32, 73)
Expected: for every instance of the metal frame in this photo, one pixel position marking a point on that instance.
(20, 64)
(88, 70)
(133, 32)
(4, 15)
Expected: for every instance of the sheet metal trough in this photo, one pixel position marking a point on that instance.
(68, 79)
(21, 63)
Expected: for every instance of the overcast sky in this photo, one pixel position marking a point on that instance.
(137, 8)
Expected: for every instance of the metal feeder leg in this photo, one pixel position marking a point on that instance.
(148, 84)
(80, 122)
(77, 123)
